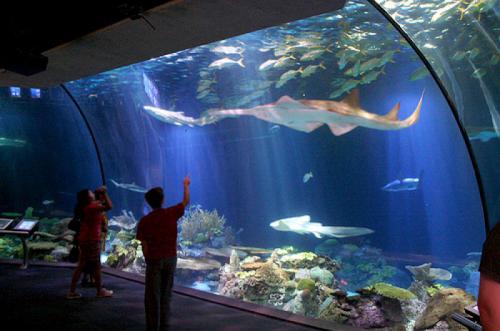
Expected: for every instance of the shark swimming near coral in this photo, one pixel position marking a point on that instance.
(303, 225)
(302, 115)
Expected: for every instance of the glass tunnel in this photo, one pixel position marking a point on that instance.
(344, 167)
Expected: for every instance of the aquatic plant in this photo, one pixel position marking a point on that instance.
(199, 225)
(434, 289)
(29, 212)
(391, 291)
(306, 284)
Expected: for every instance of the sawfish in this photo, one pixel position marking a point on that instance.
(308, 115)
(302, 115)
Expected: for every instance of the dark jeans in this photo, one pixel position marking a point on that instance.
(159, 282)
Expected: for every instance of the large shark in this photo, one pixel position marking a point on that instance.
(302, 115)
(131, 187)
(303, 225)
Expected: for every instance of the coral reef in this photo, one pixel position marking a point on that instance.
(125, 221)
(441, 306)
(305, 283)
(200, 226)
(390, 291)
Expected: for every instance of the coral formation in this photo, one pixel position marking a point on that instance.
(305, 283)
(390, 291)
(439, 308)
(199, 225)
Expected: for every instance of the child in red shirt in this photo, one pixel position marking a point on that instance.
(91, 213)
(157, 232)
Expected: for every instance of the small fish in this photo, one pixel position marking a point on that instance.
(284, 61)
(479, 73)
(335, 94)
(228, 50)
(494, 60)
(226, 62)
(267, 65)
(355, 70)
(307, 177)
(274, 129)
(312, 55)
(309, 70)
(92, 96)
(287, 76)
(369, 65)
(420, 73)
(342, 62)
(458, 56)
(473, 53)
(47, 202)
(203, 94)
(371, 76)
(349, 85)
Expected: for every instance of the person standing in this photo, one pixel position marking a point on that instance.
(489, 282)
(91, 213)
(157, 233)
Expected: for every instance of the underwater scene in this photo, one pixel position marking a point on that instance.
(329, 176)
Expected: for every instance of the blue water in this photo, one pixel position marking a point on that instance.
(251, 171)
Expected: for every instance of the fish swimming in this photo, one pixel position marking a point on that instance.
(308, 115)
(405, 184)
(7, 142)
(307, 177)
(228, 50)
(168, 116)
(302, 115)
(483, 136)
(47, 202)
(226, 62)
(131, 187)
(303, 225)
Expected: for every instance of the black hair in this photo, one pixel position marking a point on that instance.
(82, 200)
(154, 197)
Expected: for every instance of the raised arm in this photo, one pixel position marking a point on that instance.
(187, 197)
(107, 204)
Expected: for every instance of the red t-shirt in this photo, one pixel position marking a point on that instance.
(90, 225)
(159, 230)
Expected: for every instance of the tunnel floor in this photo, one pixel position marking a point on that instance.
(35, 299)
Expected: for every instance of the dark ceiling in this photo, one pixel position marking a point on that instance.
(27, 29)
(46, 43)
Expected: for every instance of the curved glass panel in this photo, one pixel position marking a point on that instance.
(46, 156)
(460, 40)
(307, 186)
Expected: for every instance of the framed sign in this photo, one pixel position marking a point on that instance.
(5, 223)
(26, 225)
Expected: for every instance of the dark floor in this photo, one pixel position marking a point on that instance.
(34, 299)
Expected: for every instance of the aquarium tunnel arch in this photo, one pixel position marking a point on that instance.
(352, 198)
